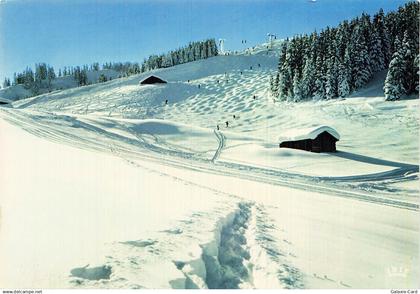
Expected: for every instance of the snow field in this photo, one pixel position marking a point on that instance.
(139, 194)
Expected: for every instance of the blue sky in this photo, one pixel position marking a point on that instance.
(76, 32)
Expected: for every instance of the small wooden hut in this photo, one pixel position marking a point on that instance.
(315, 139)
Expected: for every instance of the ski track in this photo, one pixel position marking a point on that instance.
(231, 259)
(41, 125)
(221, 139)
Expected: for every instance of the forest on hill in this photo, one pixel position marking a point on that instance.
(336, 61)
(44, 74)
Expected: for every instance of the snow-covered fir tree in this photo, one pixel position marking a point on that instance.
(394, 82)
(360, 71)
(409, 56)
(343, 77)
(376, 53)
(297, 90)
(331, 79)
(379, 28)
(308, 78)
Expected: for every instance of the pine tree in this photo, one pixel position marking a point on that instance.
(394, 82)
(308, 78)
(331, 90)
(28, 78)
(297, 89)
(343, 78)
(361, 71)
(319, 87)
(50, 75)
(380, 29)
(409, 56)
(285, 82)
(83, 78)
(6, 83)
(319, 92)
(376, 54)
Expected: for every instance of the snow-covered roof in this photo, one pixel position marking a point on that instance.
(307, 133)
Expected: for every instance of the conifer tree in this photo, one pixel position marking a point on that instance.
(6, 83)
(360, 60)
(308, 78)
(394, 82)
(297, 90)
(343, 78)
(376, 54)
(380, 29)
(409, 56)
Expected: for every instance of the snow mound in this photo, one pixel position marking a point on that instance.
(307, 133)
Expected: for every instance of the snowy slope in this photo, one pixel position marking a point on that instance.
(388, 155)
(165, 199)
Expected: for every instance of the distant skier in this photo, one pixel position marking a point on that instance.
(227, 124)
(199, 86)
(241, 73)
(218, 127)
(259, 65)
(234, 116)
(217, 81)
(254, 97)
(188, 81)
(166, 102)
(250, 67)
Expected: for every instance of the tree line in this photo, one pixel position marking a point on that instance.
(44, 74)
(336, 61)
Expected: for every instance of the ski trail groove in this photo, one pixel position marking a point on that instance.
(242, 254)
(224, 258)
(222, 140)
